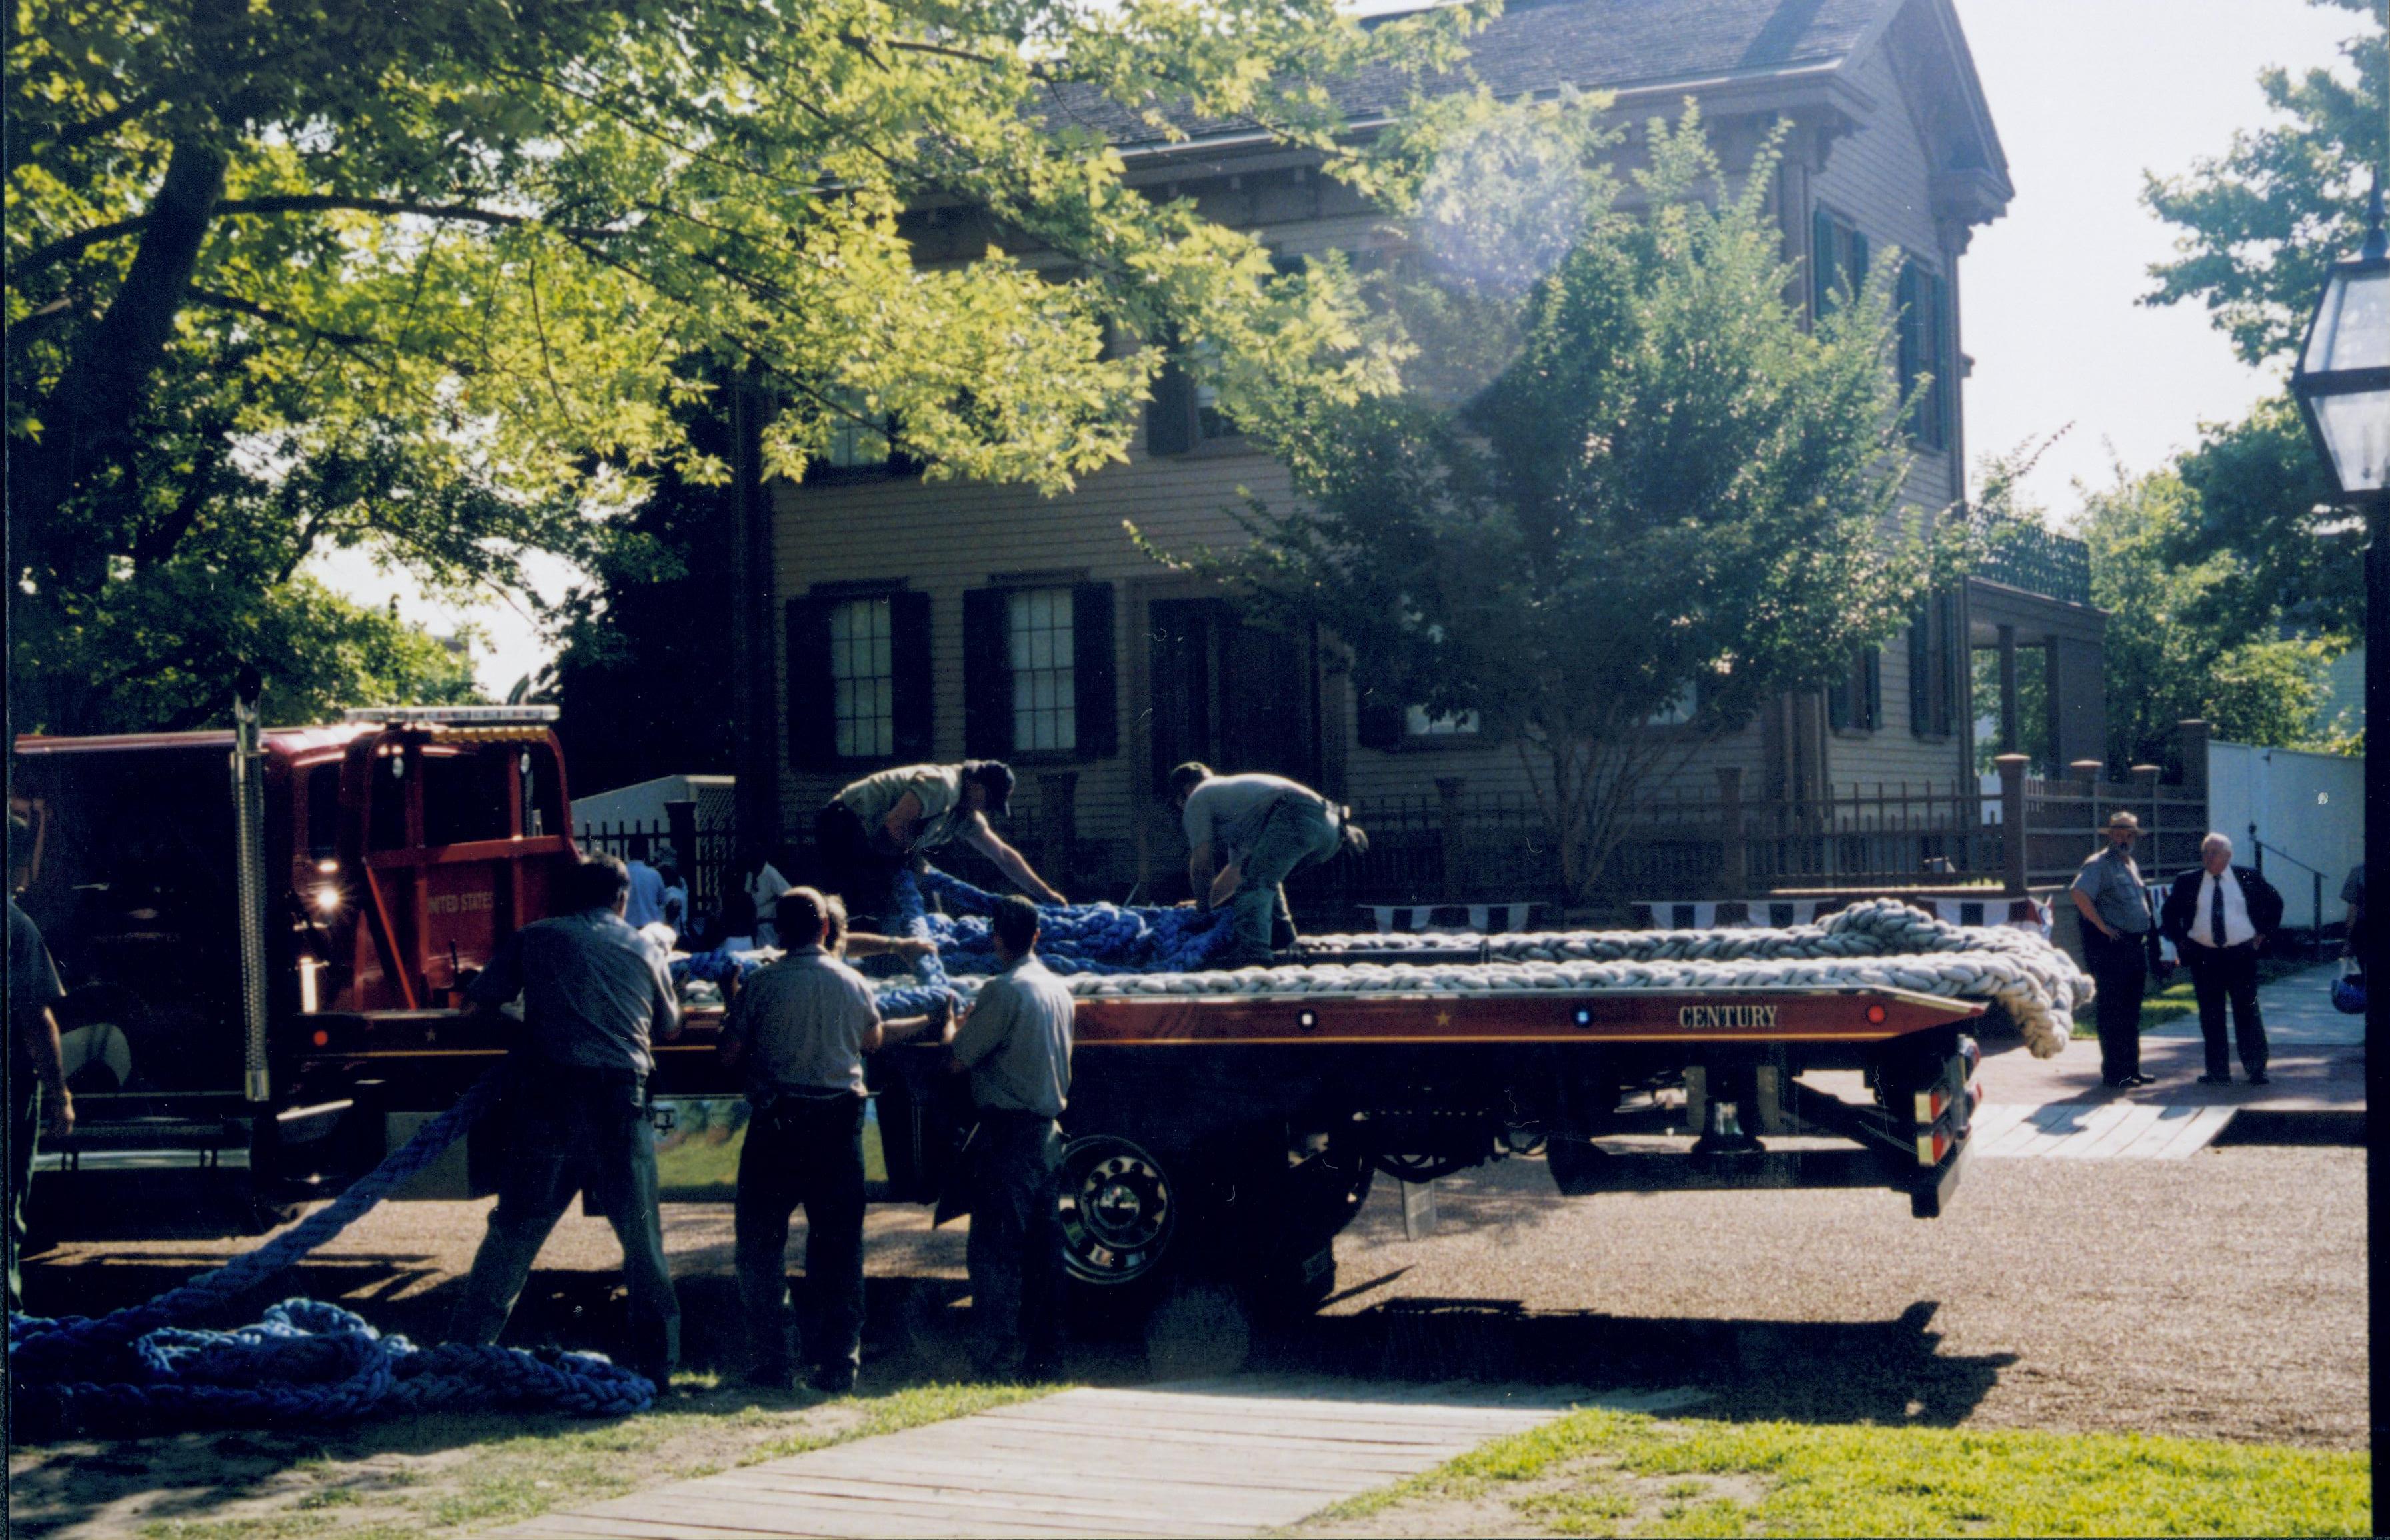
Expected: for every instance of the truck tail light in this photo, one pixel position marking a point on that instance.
(1877, 1016)
(1932, 1147)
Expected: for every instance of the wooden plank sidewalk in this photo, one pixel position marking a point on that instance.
(1203, 1458)
(2096, 1130)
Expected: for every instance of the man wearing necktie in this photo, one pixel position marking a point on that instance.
(2219, 918)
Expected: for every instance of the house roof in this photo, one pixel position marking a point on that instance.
(1650, 47)
(1542, 44)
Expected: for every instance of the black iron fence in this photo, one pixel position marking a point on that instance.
(705, 854)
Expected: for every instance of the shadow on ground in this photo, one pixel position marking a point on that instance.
(1881, 1371)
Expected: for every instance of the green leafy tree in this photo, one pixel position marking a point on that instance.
(2262, 223)
(493, 244)
(1620, 466)
(2257, 228)
(2173, 649)
(2264, 503)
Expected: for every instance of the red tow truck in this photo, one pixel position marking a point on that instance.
(265, 932)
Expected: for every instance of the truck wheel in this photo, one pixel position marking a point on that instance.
(1119, 1210)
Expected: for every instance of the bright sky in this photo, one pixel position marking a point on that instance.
(2087, 94)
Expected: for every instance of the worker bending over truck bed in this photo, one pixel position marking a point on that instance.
(1268, 828)
(877, 827)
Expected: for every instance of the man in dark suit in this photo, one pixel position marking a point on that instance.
(2219, 918)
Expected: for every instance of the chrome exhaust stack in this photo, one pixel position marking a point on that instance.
(248, 859)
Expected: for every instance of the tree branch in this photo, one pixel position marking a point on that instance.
(69, 245)
(217, 299)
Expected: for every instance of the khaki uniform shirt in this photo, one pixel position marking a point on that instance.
(1017, 1041)
(939, 787)
(2113, 884)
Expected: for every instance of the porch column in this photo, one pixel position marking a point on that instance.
(2013, 869)
(2008, 690)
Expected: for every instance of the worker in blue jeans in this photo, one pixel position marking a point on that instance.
(594, 991)
(1267, 828)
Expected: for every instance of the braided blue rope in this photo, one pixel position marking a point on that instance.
(307, 1363)
(1073, 938)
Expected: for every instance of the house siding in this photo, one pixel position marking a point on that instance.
(944, 538)
(1880, 178)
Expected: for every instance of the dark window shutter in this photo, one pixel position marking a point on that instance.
(909, 637)
(1170, 416)
(1874, 689)
(1920, 673)
(1859, 259)
(1379, 723)
(1947, 660)
(1825, 260)
(987, 674)
(1838, 699)
(1943, 391)
(813, 737)
(1095, 687)
(1912, 334)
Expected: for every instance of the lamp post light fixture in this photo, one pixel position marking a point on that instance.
(2342, 380)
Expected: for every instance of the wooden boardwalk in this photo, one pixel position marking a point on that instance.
(2096, 1131)
(1218, 1458)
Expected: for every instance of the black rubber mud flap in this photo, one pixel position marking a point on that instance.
(1932, 1193)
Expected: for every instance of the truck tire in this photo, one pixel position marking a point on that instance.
(1120, 1203)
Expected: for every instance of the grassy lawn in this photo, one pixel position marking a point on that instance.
(370, 1485)
(1604, 1473)
(2161, 1006)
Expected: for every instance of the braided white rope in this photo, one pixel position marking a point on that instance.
(1880, 943)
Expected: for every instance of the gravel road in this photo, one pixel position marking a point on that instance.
(2220, 1296)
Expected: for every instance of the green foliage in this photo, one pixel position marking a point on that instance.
(2180, 638)
(2263, 221)
(490, 246)
(1618, 464)
(2263, 496)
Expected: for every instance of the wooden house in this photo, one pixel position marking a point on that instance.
(935, 621)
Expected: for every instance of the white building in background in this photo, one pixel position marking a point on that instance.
(643, 803)
(2308, 810)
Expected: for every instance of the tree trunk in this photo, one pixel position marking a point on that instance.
(89, 413)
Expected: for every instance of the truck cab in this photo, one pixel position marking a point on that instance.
(397, 848)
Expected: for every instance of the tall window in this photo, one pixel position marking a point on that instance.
(1856, 702)
(1680, 709)
(863, 679)
(1925, 351)
(1042, 650)
(1210, 422)
(1838, 259)
(857, 441)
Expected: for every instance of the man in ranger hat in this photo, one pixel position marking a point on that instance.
(877, 827)
(2117, 927)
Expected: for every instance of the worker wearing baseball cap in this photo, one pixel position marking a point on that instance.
(2118, 932)
(877, 827)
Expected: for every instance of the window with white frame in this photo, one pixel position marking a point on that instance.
(857, 439)
(1210, 422)
(1680, 709)
(1045, 675)
(863, 679)
(1418, 723)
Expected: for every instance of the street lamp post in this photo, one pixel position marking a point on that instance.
(2341, 381)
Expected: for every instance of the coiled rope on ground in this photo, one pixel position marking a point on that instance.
(139, 1370)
